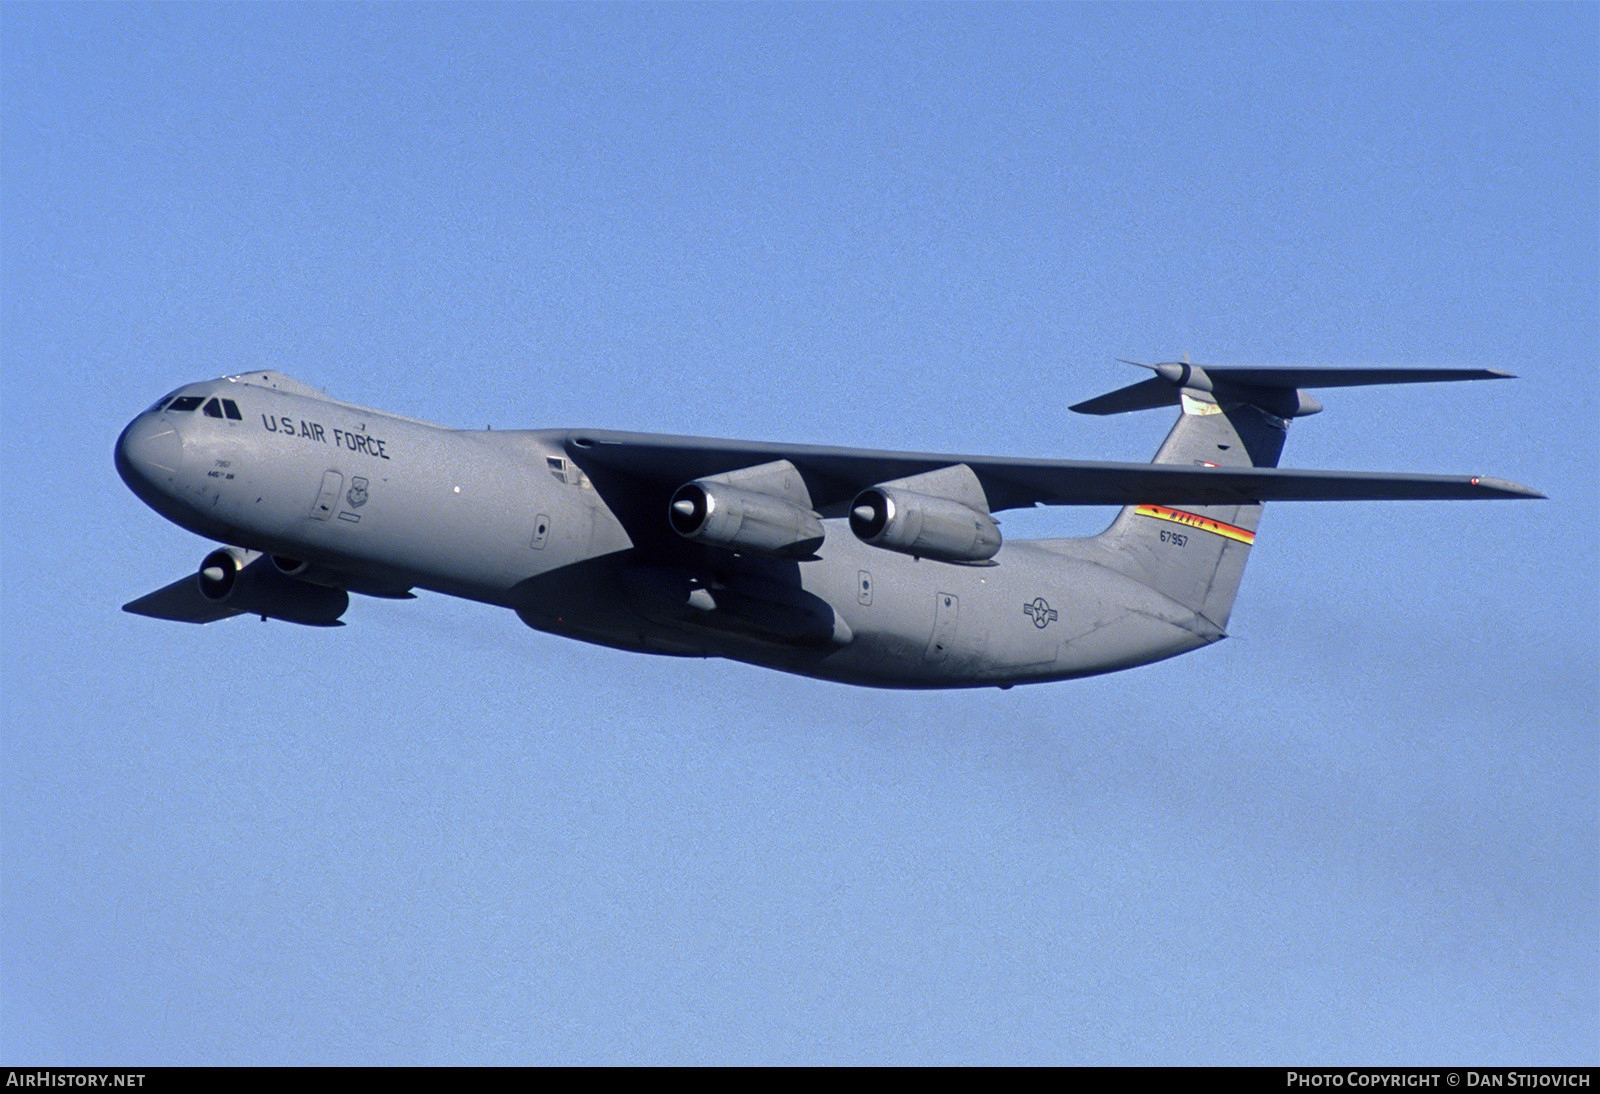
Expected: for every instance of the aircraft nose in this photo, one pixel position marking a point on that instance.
(149, 454)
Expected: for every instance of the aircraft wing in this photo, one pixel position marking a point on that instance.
(181, 602)
(835, 475)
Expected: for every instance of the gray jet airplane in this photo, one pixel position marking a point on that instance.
(884, 569)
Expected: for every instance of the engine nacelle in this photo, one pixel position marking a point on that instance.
(250, 582)
(301, 570)
(723, 515)
(929, 527)
(312, 574)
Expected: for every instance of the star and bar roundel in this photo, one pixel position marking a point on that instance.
(1205, 524)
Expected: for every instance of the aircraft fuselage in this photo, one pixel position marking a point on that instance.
(382, 504)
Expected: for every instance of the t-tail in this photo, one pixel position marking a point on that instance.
(1231, 417)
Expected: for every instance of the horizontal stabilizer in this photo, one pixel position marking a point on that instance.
(1145, 395)
(1269, 385)
(1350, 377)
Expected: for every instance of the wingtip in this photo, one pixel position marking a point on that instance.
(1505, 488)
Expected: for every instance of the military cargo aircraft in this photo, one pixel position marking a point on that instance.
(884, 569)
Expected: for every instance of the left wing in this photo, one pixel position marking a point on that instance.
(182, 602)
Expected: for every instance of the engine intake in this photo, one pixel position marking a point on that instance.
(724, 515)
(251, 582)
(916, 524)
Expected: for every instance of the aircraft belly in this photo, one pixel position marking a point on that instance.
(917, 621)
(1031, 616)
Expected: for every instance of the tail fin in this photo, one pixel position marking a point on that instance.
(1231, 417)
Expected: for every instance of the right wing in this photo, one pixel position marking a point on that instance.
(659, 464)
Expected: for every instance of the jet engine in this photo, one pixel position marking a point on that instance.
(916, 524)
(764, 509)
(249, 581)
(304, 571)
(723, 515)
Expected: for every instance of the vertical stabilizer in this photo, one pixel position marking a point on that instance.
(1195, 554)
(1231, 417)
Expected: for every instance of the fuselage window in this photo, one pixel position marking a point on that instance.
(186, 402)
(213, 409)
(565, 471)
(231, 409)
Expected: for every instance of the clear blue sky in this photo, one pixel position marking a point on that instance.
(1361, 830)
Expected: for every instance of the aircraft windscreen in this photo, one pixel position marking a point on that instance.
(214, 407)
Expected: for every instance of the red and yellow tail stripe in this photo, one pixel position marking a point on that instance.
(1205, 524)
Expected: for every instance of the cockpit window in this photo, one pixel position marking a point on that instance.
(214, 407)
